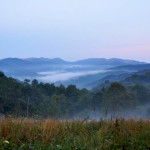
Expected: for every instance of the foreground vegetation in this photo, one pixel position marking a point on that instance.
(118, 134)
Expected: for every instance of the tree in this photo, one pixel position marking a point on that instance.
(26, 82)
(148, 112)
(34, 83)
(141, 93)
(2, 74)
(97, 100)
(116, 98)
(61, 89)
(71, 91)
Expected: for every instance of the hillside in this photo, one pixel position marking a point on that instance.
(58, 61)
(136, 67)
(34, 99)
(84, 73)
(103, 61)
(138, 78)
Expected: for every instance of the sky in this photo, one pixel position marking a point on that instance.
(75, 29)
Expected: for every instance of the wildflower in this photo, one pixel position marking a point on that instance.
(108, 141)
(7, 142)
(58, 146)
(30, 147)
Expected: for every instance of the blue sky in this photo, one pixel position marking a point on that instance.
(75, 29)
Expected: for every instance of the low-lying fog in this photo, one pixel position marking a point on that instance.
(141, 112)
(55, 76)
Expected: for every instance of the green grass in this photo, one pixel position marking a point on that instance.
(119, 134)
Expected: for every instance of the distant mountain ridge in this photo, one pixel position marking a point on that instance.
(104, 61)
(90, 61)
(84, 73)
(132, 67)
(140, 77)
(46, 60)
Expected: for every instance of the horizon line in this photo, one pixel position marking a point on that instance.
(76, 59)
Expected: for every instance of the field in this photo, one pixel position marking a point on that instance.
(118, 134)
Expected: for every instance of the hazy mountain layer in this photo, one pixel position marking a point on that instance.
(84, 73)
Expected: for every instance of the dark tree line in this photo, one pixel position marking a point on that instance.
(31, 98)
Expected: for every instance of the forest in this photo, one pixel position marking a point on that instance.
(43, 100)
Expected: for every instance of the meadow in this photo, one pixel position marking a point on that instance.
(113, 134)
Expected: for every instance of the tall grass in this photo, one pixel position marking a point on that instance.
(119, 134)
